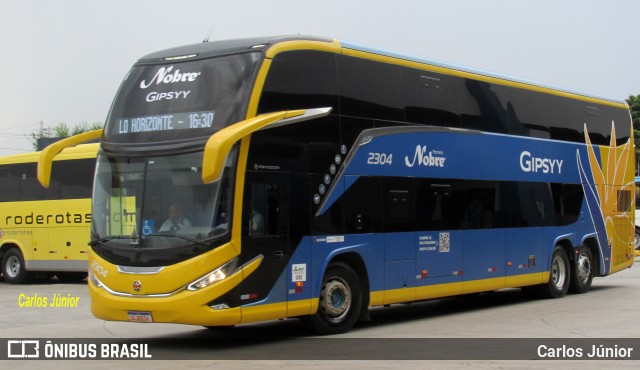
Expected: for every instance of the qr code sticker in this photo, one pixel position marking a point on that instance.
(445, 242)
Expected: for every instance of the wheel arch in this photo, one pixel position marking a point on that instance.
(10, 244)
(567, 246)
(592, 244)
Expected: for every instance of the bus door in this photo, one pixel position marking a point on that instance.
(265, 231)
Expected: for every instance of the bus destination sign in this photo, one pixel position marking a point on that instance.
(165, 122)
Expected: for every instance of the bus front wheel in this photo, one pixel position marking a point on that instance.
(13, 267)
(340, 301)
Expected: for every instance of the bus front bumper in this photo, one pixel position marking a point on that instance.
(183, 307)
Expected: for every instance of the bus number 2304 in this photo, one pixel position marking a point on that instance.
(380, 159)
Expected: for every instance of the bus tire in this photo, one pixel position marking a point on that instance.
(13, 267)
(71, 276)
(340, 301)
(582, 272)
(559, 275)
(636, 239)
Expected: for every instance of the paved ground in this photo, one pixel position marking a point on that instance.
(610, 310)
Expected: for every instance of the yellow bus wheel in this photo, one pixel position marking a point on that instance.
(13, 267)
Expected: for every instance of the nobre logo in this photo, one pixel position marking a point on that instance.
(164, 75)
(433, 158)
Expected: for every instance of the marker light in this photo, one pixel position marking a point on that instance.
(214, 276)
(180, 57)
(94, 280)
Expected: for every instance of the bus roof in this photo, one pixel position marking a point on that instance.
(214, 48)
(75, 152)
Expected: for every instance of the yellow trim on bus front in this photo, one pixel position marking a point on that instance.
(171, 278)
(281, 47)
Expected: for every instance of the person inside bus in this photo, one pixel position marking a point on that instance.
(256, 226)
(176, 220)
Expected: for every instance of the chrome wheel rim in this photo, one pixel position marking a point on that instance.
(584, 268)
(13, 266)
(558, 273)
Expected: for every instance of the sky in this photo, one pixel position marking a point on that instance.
(63, 60)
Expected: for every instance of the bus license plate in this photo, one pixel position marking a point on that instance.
(140, 316)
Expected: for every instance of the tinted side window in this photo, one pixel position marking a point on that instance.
(440, 204)
(531, 204)
(568, 120)
(431, 98)
(70, 179)
(310, 146)
(530, 113)
(300, 80)
(361, 206)
(75, 177)
(483, 106)
(266, 216)
(30, 188)
(398, 199)
(621, 118)
(599, 119)
(567, 200)
(9, 185)
(483, 208)
(370, 89)
(358, 211)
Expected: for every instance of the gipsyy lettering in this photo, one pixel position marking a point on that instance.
(530, 163)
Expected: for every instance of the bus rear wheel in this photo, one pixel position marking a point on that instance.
(13, 267)
(340, 301)
(559, 276)
(582, 272)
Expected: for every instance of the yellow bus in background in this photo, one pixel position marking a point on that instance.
(45, 231)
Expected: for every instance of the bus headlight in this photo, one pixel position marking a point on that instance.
(214, 276)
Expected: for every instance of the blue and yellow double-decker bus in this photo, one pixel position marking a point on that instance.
(257, 179)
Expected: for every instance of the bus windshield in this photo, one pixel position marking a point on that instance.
(159, 203)
(181, 100)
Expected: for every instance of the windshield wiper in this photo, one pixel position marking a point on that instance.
(200, 243)
(93, 243)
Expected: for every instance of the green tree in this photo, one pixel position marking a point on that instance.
(634, 106)
(61, 130)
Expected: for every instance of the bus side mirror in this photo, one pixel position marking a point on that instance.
(220, 143)
(47, 155)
